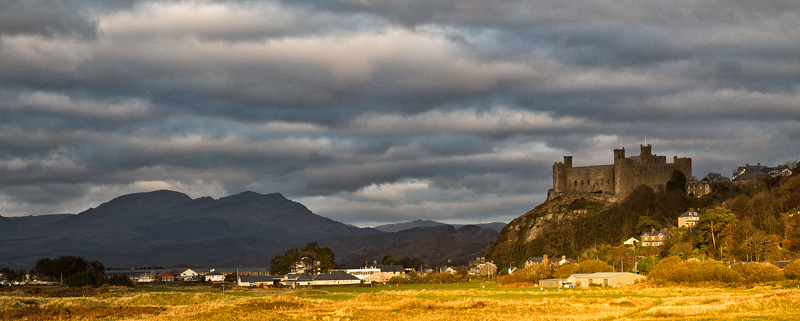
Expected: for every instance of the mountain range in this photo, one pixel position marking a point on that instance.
(165, 228)
(397, 227)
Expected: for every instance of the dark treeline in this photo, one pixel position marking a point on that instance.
(71, 270)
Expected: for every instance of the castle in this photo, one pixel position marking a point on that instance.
(617, 181)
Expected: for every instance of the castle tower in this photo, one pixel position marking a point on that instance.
(619, 154)
(646, 150)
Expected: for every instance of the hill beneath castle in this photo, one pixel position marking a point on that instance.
(570, 224)
(758, 220)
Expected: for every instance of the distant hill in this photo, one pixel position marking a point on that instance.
(167, 228)
(33, 220)
(397, 227)
(430, 243)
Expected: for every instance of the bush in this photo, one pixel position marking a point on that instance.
(758, 272)
(527, 275)
(792, 271)
(675, 270)
(593, 266)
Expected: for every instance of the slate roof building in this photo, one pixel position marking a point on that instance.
(689, 219)
(604, 279)
(655, 238)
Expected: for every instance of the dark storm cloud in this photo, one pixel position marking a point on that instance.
(378, 111)
(47, 18)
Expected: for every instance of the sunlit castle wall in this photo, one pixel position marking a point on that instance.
(619, 179)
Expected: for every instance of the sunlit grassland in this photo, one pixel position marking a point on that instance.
(472, 301)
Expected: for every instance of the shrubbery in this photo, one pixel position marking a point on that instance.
(416, 278)
(675, 270)
(528, 275)
(792, 271)
(758, 272)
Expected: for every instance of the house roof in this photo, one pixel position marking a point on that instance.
(250, 269)
(298, 277)
(690, 214)
(335, 275)
(656, 233)
(749, 174)
(259, 278)
(535, 259)
(597, 275)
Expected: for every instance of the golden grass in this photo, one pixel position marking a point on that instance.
(440, 304)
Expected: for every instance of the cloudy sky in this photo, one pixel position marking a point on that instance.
(371, 111)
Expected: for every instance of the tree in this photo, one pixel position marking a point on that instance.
(411, 262)
(792, 271)
(283, 264)
(592, 266)
(713, 178)
(389, 260)
(647, 263)
(67, 266)
(233, 277)
(713, 221)
(120, 280)
(677, 182)
(318, 259)
(7, 275)
(648, 222)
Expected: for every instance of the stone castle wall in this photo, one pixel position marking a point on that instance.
(620, 178)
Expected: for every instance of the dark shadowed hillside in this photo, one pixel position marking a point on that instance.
(397, 227)
(166, 228)
(431, 244)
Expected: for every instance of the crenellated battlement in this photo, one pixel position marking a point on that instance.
(621, 177)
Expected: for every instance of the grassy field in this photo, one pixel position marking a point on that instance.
(469, 301)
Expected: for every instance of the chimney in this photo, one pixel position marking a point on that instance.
(758, 166)
(544, 256)
(652, 230)
(563, 257)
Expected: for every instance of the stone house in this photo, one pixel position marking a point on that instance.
(690, 219)
(655, 238)
(614, 279)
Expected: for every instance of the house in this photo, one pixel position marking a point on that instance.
(483, 269)
(147, 275)
(536, 260)
(552, 283)
(214, 276)
(295, 280)
(360, 273)
(166, 277)
(698, 188)
(614, 279)
(747, 174)
(555, 264)
(188, 275)
(655, 238)
(384, 272)
(690, 219)
(335, 278)
(450, 270)
(632, 241)
(258, 280)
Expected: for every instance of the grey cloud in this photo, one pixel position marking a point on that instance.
(382, 110)
(46, 18)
